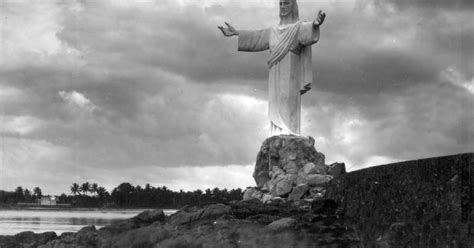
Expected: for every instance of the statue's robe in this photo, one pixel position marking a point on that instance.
(290, 69)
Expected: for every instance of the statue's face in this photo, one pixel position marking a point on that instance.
(286, 7)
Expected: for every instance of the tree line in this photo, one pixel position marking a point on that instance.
(126, 195)
(20, 194)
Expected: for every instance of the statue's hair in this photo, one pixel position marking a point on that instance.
(294, 12)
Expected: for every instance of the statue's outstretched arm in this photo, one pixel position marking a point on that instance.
(319, 21)
(229, 30)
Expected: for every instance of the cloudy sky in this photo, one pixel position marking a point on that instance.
(151, 92)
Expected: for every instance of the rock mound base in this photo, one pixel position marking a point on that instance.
(290, 168)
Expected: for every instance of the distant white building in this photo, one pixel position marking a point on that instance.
(48, 201)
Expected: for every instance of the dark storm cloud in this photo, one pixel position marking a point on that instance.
(372, 72)
(426, 120)
(439, 4)
(142, 118)
(117, 93)
(194, 47)
(430, 121)
(352, 56)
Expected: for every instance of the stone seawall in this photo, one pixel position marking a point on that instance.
(419, 203)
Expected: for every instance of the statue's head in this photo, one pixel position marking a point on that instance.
(289, 9)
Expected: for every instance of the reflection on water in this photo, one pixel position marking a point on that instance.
(59, 221)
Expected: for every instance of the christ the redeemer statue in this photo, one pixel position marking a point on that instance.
(290, 63)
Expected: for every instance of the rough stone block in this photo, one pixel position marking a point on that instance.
(298, 192)
(311, 168)
(317, 179)
(290, 167)
(252, 193)
(283, 186)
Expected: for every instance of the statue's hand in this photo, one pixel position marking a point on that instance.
(306, 88)
(319, 21)
(229, 31)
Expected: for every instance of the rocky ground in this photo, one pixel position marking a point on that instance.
(248, 223)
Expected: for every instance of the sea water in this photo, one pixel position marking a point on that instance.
(13, 221)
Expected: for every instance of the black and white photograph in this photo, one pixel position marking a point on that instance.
(236, 123)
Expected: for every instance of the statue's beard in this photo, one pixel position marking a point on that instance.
(284, 15)
(287, 15)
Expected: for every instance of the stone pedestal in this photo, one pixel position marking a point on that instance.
(288, 167)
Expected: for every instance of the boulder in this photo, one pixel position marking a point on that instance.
(252, 193)
(120, 226)
(311, 168)
(266, 198)
(290, 167)
(87, 236)
(43, 238)
(150, 216)
(27, 239)
(317, 179)
(298, 192)
(283, 185)
(275, 172)
(142, 219)
(301, 177)
(282, 224)
(187, 215)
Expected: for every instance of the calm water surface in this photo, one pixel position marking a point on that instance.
(13, 221)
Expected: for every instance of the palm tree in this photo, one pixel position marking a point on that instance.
(37, 192)
(85, 188)
(75, 188)
(94, 188)
(19, 190)
(101, 192)
(27, 194)
(19, 194)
